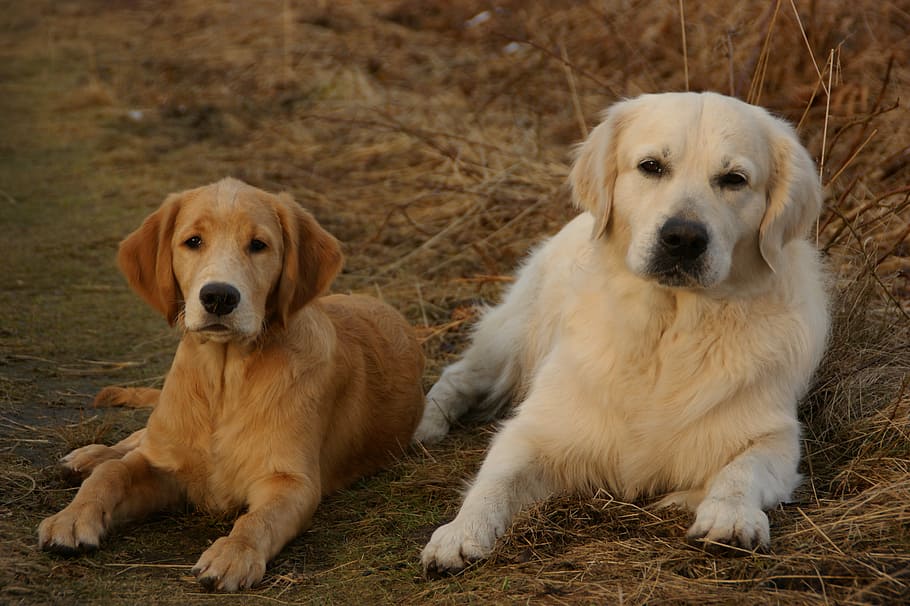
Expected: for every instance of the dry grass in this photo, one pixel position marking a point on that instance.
(433, 139)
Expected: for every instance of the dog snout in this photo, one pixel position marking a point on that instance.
(219, 298)
(683, 239)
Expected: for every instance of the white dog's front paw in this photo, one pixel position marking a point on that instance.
(437, 413)
(730, 522)
(457, 545)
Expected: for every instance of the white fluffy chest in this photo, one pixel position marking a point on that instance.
(648, 397)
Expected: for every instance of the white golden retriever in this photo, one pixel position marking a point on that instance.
(659, 343)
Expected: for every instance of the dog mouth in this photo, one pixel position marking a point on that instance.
(674, 273)
(216, 332)
(219, 332)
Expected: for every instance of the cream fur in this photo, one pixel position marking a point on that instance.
(682, 392)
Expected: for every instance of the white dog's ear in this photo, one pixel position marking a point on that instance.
(794, 197)
(594, 172)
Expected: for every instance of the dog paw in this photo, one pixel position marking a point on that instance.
(83, 460)
(74, 530)
(432, 428)
(434, 425)
(230, 564)
(728, 522)
(455, 546)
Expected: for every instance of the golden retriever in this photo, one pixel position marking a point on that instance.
(276, 396)
(659, 343)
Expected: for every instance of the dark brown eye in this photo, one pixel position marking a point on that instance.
(732, 180)
(257, 245)
(651, 167)
(193, 243)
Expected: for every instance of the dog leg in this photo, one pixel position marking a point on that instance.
(280, 508)
(491, 367)
(116, 491)
(509, 479)
(83, 461)
(760, 478)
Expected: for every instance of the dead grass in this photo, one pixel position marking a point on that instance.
(433, 139)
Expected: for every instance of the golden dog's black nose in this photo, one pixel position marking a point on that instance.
(219, 298)
(683, 239)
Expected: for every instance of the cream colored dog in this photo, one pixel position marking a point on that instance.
(276, 396)
(659, 343)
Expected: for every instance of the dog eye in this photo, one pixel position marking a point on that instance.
(651, 167)
(257, 245)
(732, 180)
(193, 243)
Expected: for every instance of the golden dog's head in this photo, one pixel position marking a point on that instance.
(696, 188)
(227, 260)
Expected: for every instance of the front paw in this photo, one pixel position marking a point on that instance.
(435, 422)
(76, 529)
(230, 564)
(433, 426)
(730, 522)
(456, 545)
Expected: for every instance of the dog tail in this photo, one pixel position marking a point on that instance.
(131, 397)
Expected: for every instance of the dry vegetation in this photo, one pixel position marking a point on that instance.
(433, 138)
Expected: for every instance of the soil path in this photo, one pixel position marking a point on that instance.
(65, 313)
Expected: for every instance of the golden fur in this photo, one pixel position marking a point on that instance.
(272, 401)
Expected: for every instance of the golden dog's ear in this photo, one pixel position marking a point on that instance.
(312, 259)
(794, 197)
(145, 259)
(593, 174)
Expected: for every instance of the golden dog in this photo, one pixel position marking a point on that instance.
(276, 396)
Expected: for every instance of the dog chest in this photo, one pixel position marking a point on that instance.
(221, 428)
(663, 409)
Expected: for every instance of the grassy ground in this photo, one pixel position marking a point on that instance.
(433, 139)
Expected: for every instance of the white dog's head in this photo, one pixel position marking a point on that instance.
(228, 259)
(696, 188)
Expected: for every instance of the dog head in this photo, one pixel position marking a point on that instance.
(695, 188)
(228, 259)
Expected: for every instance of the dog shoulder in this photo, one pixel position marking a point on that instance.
(378, 330)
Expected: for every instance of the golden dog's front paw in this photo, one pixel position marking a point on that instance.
(230, 564)
(74, 530)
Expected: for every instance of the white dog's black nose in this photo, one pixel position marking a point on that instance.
(683, 239)
(219, 298)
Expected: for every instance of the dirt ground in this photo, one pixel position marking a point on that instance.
(433, 139)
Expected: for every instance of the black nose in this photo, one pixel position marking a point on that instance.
(683, 239)
(219, 298)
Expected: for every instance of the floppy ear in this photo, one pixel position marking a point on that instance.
(594, 172)
(794, 197)
(312, 259)
(146, 261)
